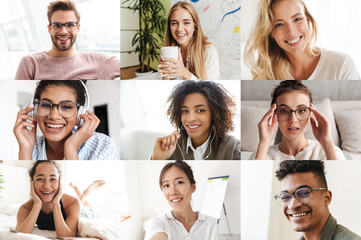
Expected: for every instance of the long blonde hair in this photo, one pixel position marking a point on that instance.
(197, 47)
(262, 54)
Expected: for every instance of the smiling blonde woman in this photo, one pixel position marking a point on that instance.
(281, 46)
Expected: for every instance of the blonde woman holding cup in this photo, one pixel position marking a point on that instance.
(197, 58)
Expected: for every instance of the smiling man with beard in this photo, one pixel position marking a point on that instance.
(63, 62)
(305, 198)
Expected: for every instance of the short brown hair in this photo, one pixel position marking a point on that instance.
(290, 86)
(64, 5)
(317, 167)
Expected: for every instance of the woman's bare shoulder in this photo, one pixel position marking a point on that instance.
(69, 201)
(27, 206)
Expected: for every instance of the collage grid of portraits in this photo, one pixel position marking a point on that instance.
(174, 152)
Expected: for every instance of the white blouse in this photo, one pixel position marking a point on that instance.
(205, 228)
(313, 151)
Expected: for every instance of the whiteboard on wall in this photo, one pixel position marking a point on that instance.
(220, 21)
(214, 196)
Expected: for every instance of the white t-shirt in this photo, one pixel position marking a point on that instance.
(335, 66)
(313, 151)
(211, 61)
(205, 228)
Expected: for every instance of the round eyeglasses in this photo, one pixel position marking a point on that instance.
(70, 26)
(66, 109)
(283, 114)
(303, 195)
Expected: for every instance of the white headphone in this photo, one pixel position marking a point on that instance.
(81, 110)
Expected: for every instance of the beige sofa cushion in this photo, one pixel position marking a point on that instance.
(348, 123)
(250, 118)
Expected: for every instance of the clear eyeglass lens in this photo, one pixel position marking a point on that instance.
(70, 26)
(67, 109)
(303, 195)
(44, 108)
(302, 113)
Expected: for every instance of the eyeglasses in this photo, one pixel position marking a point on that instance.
(302, 113)
(66, 109)
(70, 26)
(303, 195)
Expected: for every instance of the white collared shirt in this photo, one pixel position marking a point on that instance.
(205, 228)
(198, 152)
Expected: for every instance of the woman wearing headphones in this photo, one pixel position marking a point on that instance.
(280, 46)
(202, 112)
(197, 58)
(56, 112)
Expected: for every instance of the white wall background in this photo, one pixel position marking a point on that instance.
(256, 184)
(338, 25)
(260, 211)
(220, 22)
(15, 93)
(143, 106)
(146, 199)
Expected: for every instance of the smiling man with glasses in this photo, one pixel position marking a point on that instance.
(62, 61)
(305, 198)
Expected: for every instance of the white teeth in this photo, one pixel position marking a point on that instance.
(193, 126)
(181, 35)
(55, 126)
(176, 200)
(46, 192)
(299, 215)
(294, 41)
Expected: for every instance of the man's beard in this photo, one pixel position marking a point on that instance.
(63, 47)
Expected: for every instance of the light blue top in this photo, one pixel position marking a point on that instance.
(98, 147)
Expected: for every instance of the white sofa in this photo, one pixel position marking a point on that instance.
(345, 118)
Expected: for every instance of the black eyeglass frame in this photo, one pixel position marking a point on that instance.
(36, 103)
(295, 111)
(63, 25)
(277, 196)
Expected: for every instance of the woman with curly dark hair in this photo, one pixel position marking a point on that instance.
(202, 112)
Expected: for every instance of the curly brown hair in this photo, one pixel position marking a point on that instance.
(220, 102)
(288, 167)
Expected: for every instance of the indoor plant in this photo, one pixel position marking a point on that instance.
(152, 25)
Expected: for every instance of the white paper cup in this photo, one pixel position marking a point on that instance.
(169, 52)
